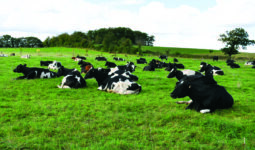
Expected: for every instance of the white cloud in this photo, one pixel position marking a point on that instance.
(183, 26)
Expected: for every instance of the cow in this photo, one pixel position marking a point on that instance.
(117, 72)
(141, 61)
(79, 58)
(12, 54)
(163, 57)
(73, 80)
(207, 67)
(62, 71)
(175, 60)
(215, 58)
(180, 74)
(32, 73)
(229, 61)
(110, 64)
(101, 59)
(83, 63)
(3, 55)
(233, 65)
(170, 66)
(253, 67)
(149, 68)
(55, 65)
(26, 56)
(130, 66)
(205, 97)
(118, 59)
(45, 63)
(116, 83)
(249, 63)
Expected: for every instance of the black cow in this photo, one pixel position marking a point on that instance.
(233, 65)
(118, 59)
(45, 63)
(175, 60)
(141, 61)
(81, 57)
(215, 58)
(73, 80)
(253, 67)
(149, 68)
(32, 73)
(113, 83)
(208, 68)
(12, 54)
(62, 71)
(101, 59)
(205, 97)
(83, 63)
(229, 61)
(110, 64)
(163, 57)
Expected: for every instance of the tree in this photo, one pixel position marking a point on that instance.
(233, 40)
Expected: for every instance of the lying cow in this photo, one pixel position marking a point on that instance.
(130, 66)
(32, 73)
(73, 80)
(55, 65)
(45, 63)
(118, 59)
(163, 57)
(141, 61)
(101, 59)
(204, 97)
(62, 71)
(26, 56)
(180, 74)
(110, 64)
(249, 63)
(116, 83)
(207, 67)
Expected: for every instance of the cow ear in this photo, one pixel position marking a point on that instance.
(87, 68)
(25, 65)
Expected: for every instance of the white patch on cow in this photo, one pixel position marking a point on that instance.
(78, 79)
(121, 87)
(181, 82)
(36, 73)
(214, 72)
(125, 75)
(113, 70)
(188, 72)
(204, 111)
(54, 65)
(45, 75)
(114, 75)
(63, 81)
(172, 70)
(201, 66)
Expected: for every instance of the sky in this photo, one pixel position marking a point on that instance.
(174, 23)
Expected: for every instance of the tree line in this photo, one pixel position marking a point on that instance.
(11, 42)
(120, 39)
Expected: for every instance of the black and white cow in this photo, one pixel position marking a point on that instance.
(115, 83)
(180, 74)
(249, 63)
(215, 58)
(73, 80)
(207, 67)
(32, 73)
(3, 55)
(141, 61)
(163, 57)
(117, 72)
(130, 66)
(62, 71)
(26, 56)
(204, 97)
(110, 64)
(118, 59)
(55, 65)
(101, 59)
(45, 63)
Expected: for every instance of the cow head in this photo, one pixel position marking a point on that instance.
(202, 66)
(181, 89)
(85, 68)
(20, 68)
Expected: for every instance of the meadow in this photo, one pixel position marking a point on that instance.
(35, 114)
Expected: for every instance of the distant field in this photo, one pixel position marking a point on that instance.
(35, 114)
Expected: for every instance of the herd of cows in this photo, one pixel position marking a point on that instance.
(206, 95)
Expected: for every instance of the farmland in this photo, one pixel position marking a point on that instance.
(35, 114)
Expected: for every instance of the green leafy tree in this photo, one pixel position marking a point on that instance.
(235, 39)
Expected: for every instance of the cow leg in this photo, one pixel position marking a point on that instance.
(184, 102)
(21, 77)
(203, 111)
(31, 75)
(191, 105)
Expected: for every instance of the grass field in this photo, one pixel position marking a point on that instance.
(35, 114)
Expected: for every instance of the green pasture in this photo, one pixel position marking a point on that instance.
(35, 114)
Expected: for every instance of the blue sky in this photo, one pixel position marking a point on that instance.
(174, 23)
